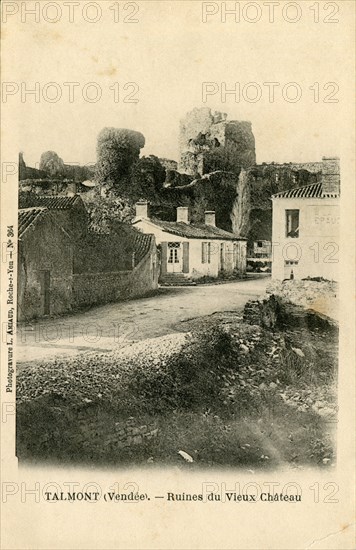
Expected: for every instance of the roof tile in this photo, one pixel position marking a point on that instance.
(52, 202)
(195, 231)
(27, 217)
(313, 190)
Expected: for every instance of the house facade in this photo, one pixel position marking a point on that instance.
(63, 265)
(192, 250)
(262, 249)
(305, 228)
(45, 260)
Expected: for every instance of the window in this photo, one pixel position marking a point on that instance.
(222, 256)
(235, 255)
(291, 262)
(259, 244)
(173, 253)
(205, 253)
(292, 223)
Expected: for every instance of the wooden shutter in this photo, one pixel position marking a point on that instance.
(208, 252)
(164, 250)
(186, 257)
(203, 253)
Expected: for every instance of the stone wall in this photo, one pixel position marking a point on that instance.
(264, 312)
(91, 289)
(114, 436)
(50, 427)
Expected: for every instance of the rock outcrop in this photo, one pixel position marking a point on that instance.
(215, 191)
(26, 172)
(52, 164)
(256, 186)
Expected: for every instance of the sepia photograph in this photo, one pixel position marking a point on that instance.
(177, 312)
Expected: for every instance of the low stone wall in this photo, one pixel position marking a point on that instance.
(50, 427)
(100, 288)
(118, 435)
(264, 313)
(128, 434)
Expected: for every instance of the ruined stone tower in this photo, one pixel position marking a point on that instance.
(209, 142)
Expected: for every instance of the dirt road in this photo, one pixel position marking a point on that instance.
(102, 328)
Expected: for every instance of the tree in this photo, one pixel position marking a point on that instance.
(147, 178)
(117, 150)
(104, 212)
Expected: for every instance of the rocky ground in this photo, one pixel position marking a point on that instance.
(318, 295)
(223, 391)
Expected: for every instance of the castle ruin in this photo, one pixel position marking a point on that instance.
(208, 141)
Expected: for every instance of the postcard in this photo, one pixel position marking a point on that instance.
(178, 265)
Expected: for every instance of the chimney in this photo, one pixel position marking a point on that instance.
(210, 217)
(142, 209)
(183, 214)
(71, 189)
(331, 176)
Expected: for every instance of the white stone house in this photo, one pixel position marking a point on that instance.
(262, 249)
(193, 250)
(305, 228)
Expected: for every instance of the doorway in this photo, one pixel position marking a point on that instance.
(174, 258)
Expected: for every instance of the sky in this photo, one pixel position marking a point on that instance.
(168, 55)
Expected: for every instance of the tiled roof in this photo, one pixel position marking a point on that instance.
(195, 231)
(52, 202)
(314, 190)
(141, 245)
(28, 217)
